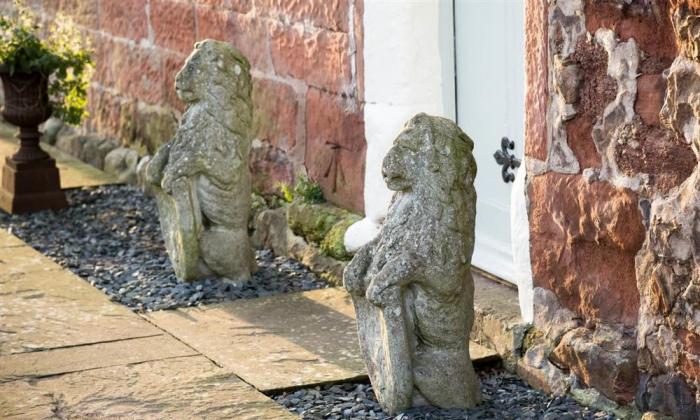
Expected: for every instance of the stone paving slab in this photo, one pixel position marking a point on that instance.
(280, 342)
(9, 240)
(183, 388)
(74, 173)
(92, 356)
(47, 308)
(23, 259)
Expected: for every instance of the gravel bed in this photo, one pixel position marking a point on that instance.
(505, 396)
(110, 236)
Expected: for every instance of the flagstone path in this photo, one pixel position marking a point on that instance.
(67, 350)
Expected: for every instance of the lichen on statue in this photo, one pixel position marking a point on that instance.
(201, 177)
(412, 286)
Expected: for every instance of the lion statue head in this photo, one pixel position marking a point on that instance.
(431, 157)
(217, 76)
(431, 161)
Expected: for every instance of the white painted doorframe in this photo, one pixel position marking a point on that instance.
(410, 67)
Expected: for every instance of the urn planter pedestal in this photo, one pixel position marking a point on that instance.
(30, 179)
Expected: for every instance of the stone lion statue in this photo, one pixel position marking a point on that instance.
(201, 177)
(412, 286)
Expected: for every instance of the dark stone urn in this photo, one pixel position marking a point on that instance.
(30, 180)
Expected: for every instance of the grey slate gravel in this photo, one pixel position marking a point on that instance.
(110, 236)
(505, 397)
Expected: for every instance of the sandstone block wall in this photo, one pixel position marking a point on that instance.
(609, 185)
(307, 66)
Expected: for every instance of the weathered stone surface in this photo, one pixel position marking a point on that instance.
(550, 317)
(328, 14)
(91, 149)
(681, 106)
(667, 275)
(121, 163)
(336, 147)
(584, 237)
(271, 230)
(270, 166)
(412, 286)
(565, 27)
(497, 321)
(45, 308)
(39, 364)
(202, 179)
(595, 91)
(277, 342)
(604, 358)
(540, 373)
(623, 64)
(687, 28)
(184, 387)
(51, 130)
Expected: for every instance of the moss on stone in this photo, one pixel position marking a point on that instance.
(313, 221)
(333, 244)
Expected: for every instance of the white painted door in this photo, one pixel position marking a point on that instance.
(489, 52)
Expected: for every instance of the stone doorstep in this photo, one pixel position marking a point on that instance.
(497, 322)
(180, 387)
(280, 342)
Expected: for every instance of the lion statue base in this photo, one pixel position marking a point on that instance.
(201, 178)
(412, 286)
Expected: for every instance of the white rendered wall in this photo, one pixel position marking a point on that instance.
(409, 68)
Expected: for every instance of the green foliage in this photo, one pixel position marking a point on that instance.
(286, 191)
(63, 57)
(308, 191)
(305, 190)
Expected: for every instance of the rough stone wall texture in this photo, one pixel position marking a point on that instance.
(306, 63)
(612, 196)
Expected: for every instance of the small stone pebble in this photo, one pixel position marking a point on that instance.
(505, 397)
(110, 236)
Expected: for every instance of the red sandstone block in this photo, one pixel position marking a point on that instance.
(536, 86)
(327, 14)
(250, 36)
(124, 18)
(132, 70)
(336, 147)
(83, 12)
(359, 48)
(321, 58)
(276, 110)
(651, 89)
(174, 24)
(213, 23)
(583, 241)
(172, 63)
(240, 6)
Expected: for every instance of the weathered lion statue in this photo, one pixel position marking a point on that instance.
(201, 177)
(412, 286)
